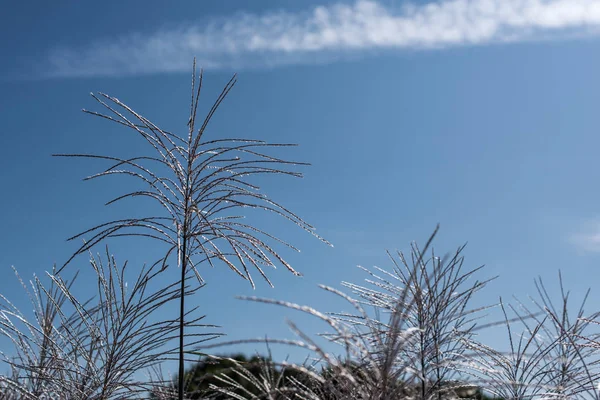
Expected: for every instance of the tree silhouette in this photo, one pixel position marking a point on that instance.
(216, 377)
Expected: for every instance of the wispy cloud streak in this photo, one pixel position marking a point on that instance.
(587, 240)
(326, 32)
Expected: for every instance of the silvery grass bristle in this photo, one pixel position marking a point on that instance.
(408, 346)
(548, 355)
(76, 349)
(426, 348)
(203, 189)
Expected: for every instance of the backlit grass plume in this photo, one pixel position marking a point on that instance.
(203, 190)
(94, 348)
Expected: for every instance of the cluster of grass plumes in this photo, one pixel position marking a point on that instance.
(410, 331)
(74, 349)
(200, 187)
(412, 335)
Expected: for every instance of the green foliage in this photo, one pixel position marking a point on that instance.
(236, 373)
(213, 377)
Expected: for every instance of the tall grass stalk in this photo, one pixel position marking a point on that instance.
(201, 186)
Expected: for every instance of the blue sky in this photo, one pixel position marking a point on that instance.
(479, 115)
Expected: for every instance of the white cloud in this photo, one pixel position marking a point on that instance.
(589, 239)
(327, 32)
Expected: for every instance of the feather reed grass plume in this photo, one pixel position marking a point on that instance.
(203, 189)
(97, 348)
(549, 354)
(411, 334)
(404, 338)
